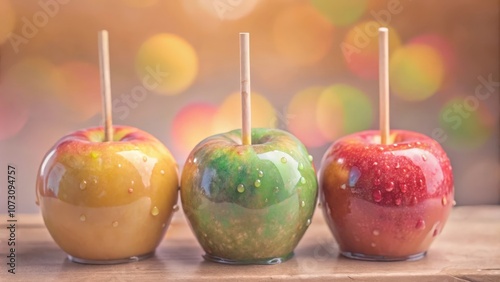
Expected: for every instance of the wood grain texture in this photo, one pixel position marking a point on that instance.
(467, 250)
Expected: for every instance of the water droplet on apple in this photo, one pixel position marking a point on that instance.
(276, 189)
(375, 163)
(435, 233)
(373, 245)
(404, 188)
(240, 188)
(409, 145)
(354, 175)
(115, 223)
(454, 203)
(397, 165)
(381, 148)
(175, 208)
(302, 204)
(83, 185)
(310, 158)
(397, 201)
(119, 165)
(195, 160)
(162, 172)
(266, 200)
(144, 158)
(420, 224)
(342, 186)
(308, 222)
(394, 145)
(444, 201)
(376, 232)
(377, 196)
(261, 173)
(303, 180)
(132, 182)
(257, 183)
(414, 201)
(301, 166)
(378, 172)
(83, 217)
(130, 190)
(283, 160)
(94, 155)
(155, 211)
(376, 181)
(389, 187)
(418, 143)
(424, 157)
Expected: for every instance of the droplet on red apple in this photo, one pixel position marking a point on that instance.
(389, 187)
(377, 196)
(420, 224)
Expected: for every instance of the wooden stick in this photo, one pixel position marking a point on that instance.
(383, 33)
(246, 130)
(105, 85)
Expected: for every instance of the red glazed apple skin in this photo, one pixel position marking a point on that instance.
(386, 201)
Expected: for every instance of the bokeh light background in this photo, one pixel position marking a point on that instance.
(175, 74)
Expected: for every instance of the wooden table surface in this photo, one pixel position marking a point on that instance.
(468, 249)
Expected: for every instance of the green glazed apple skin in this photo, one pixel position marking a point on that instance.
(249, 204)
(107, 202)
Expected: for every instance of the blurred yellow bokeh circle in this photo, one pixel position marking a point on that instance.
(343, 109)
(166, 64)
(416, 72)
(340, 12)
(302, 36)
(302, 121)
(228, 116)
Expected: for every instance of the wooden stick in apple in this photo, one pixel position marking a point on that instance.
(246, 130)
(384, 84)
(105, 85)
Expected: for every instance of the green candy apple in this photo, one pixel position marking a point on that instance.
(249, 204)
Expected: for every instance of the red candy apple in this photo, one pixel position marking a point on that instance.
(106, 202)
(386, 202)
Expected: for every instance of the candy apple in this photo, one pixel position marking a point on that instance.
(249, 204)
(107, 202)
(386, 202)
